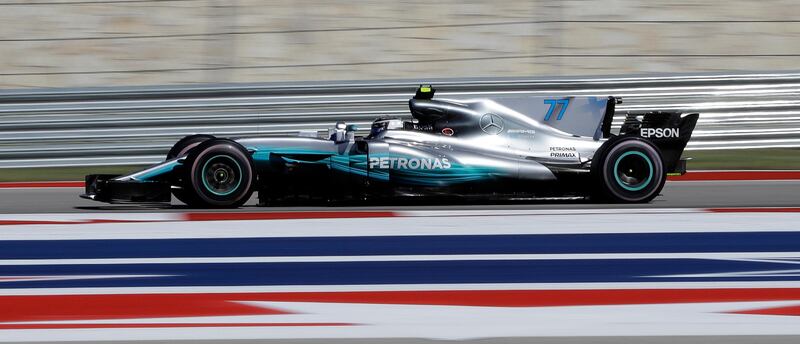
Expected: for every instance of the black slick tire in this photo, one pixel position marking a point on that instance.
(628, 170)
(219, 173)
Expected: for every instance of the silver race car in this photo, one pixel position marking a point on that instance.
(495, 149)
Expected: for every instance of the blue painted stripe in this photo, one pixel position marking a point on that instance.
(404, 245)
(405, 272)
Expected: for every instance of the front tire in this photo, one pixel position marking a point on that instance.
(220, 174)
(628, 170)
(181, 148)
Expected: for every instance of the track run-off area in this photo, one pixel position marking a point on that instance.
(714, 256)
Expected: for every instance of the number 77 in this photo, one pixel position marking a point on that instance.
(553, 103)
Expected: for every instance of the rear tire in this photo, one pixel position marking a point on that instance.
(219, 174)
(180, 148)
(628, 170)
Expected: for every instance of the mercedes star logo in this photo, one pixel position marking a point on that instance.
(491, 124)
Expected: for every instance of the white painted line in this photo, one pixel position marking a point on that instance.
(95, 218)
(404, 287)
(749, 256)
(83, 217)
(416, 226)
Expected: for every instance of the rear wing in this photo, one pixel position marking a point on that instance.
(670, 131)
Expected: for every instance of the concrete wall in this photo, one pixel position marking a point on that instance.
(80, 43)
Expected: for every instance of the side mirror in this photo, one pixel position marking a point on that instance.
(339, 133)
(350, 133)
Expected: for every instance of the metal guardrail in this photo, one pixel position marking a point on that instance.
(138, 125)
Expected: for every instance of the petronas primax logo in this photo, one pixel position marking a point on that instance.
(409, 164)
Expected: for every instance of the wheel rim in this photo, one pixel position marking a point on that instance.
(633, 171)
(221, 175)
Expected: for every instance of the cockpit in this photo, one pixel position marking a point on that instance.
(381, 125)
(447, 118)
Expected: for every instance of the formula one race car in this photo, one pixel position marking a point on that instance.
(500, 148)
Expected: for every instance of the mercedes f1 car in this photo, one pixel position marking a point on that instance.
(499, 148)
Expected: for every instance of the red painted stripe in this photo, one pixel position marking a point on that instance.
(41, 184)
(538, 298)
(124, 306)
(755, 210)
(790, 310)
(286, 215)
(737, 175)
(161, 325)
(19, 308)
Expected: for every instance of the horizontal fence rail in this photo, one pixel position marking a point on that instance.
(126, 126)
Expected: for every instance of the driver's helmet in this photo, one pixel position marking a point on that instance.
(380, 125)
(377, 128)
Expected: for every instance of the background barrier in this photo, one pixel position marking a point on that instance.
(116, 126)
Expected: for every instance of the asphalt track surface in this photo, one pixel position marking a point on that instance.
(676, 194)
